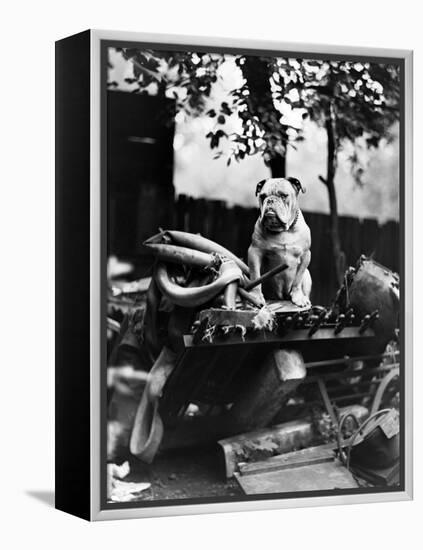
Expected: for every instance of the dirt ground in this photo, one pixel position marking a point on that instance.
(188, 473)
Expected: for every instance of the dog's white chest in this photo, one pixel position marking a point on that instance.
(284, 249)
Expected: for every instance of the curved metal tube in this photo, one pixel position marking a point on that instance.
(180, 255)
(386, 380)
(196, 242)
(196, 296)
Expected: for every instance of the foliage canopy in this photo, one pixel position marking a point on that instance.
(362, 97)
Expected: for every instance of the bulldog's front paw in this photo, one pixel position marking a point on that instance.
(299, 298)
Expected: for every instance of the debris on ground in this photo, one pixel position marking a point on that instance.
(119, 490)
(265, 319)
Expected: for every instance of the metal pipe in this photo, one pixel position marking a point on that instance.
(247, 296)
(229, 295)
(266, 276)
(196, 242)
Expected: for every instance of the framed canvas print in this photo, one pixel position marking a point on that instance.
(233, 275)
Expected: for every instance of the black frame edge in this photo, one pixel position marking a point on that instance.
(72, 210)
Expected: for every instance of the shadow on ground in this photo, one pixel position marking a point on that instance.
(46, 497)
(193, 473)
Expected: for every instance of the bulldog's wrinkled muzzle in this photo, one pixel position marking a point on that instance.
(274, 213)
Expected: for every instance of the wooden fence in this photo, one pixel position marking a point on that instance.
(232, 228)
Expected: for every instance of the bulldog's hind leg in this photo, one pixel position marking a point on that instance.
(301, 288)
(306, 283)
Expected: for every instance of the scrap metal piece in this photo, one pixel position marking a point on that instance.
(287, 322)
(249, 297)
(299, 320)
(266, 276)
(266, 442)
(317, 321)
(229, 295)
(180, 255)
(370, 287)
(368, 321)
(196, 242)
(195, 296)
(387, 379)
(341, 322)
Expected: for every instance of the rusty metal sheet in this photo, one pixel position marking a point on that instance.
(260, 444)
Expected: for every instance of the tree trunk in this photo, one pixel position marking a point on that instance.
(332, 161)
(278, 166)
(256, 73)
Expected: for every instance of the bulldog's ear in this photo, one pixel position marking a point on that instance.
(260, 186)
(296, 184)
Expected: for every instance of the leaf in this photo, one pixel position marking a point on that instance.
(225, 108)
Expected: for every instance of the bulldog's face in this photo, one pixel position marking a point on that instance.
(278, 201)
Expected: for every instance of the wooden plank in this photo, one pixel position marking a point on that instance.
(369, 236)
(219, 234)
(322, 265)
(201, 216)
(389, 252)
(223, 317)
(315, 477)
(181, 213)
(347, 360)
(230, 229)
(266, 337)
(194, 222)
(303, 457)
(209, 221)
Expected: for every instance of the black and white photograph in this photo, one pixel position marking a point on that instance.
(211, 275)
(254, 260)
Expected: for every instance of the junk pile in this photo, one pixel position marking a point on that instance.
(210, 363)
(286, 457)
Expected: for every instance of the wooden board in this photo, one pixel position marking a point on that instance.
(294, 336)
(295, 459)
(315, 477)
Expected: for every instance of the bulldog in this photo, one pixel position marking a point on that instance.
(281, 235)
